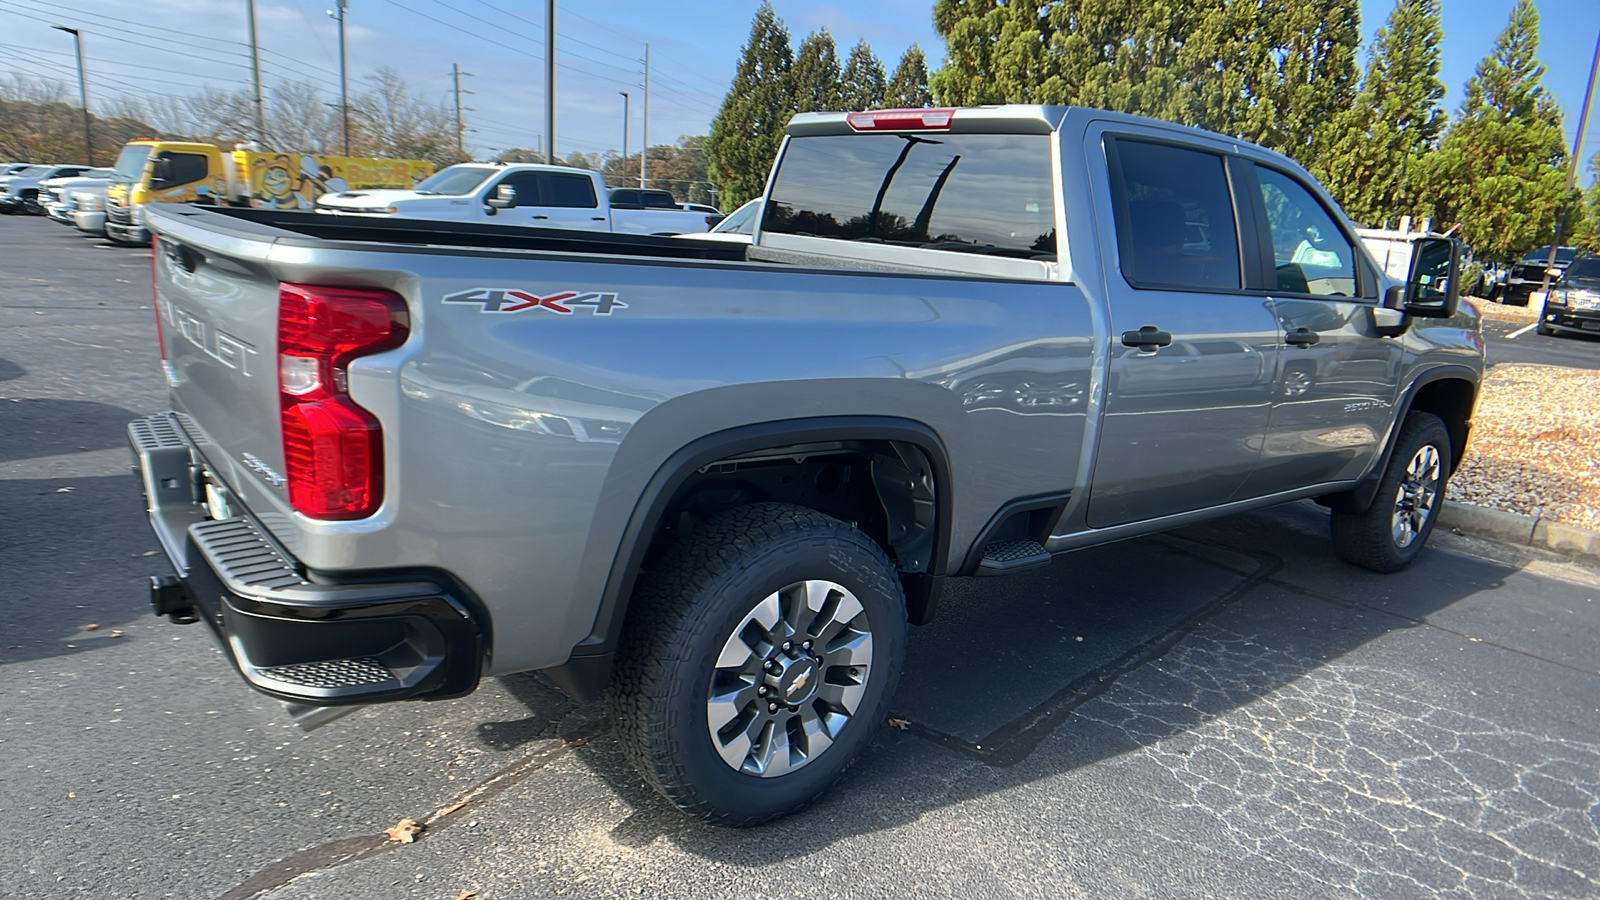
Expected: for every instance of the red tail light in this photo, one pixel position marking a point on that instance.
(901, 120)
(332, 448)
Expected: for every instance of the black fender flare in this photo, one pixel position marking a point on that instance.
(585, 674)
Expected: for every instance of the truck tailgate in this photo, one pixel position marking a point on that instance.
(217, 304)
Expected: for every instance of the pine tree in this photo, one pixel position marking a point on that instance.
(908, 88)
(815, 75)
(1379, 142)
(864, 82)
(749, 127)
(1500, 169)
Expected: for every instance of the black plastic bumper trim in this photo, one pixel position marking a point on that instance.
(289, 637)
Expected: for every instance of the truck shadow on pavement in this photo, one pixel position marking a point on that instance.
(33, 428)
(1136, 648)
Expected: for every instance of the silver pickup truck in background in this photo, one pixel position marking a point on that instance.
(715, 481)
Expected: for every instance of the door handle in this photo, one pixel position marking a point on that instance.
(597, 218)
(1301, 337)
(541, 217)
(1148, 337)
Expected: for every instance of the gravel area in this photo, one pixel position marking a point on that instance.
(1505, 313)
(1535, 446)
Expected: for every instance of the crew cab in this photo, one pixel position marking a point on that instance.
(533, 195)
(714, 482)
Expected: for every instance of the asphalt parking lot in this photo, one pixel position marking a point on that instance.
(1225, 711)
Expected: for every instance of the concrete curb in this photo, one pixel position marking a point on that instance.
(1520, 530)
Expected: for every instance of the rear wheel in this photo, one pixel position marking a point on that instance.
(30, 204)
(759, 660)
(1391, 532)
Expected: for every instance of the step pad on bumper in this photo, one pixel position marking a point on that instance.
(333, 673)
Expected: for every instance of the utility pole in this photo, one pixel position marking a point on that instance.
(83, 93)
(644, 149)
(550, 78)
(1572, 164)
(344, 79)
(624, 128)
(255, 75)
(461, 129)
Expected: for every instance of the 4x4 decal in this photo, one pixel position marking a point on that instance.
(511, 300)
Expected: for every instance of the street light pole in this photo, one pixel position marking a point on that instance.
(1572, 165)
(255, 73)
(624, 129)
(550, 79)
(83, 93)
(644, 149)
(344, 80)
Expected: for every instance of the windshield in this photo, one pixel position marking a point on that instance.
(1563, 254)
(31, 171)
(1587, 268)
(130, 164)
(455, 180)
(742, 220)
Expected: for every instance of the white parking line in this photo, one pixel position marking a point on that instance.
(1523, 330)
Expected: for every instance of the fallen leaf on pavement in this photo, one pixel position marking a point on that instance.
(92, 626)
(116, 632)
(405, 832)
(466, 895)
(63, 490)
(901, 724)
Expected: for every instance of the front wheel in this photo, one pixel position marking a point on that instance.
(759, 660)
(31, 205)
(1391, 532)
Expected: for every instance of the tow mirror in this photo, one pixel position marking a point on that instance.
(505, 198)
(1433, 286)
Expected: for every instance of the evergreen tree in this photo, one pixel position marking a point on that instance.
(1273, 72)
(908, 88)
(815, 74)
(1500, 170)
(749, 127)
(1379, 142)
(1586, 232)
(864, 82)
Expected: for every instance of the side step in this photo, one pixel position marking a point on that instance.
(1008, 557)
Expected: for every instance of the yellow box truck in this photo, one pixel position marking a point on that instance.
(158, 171)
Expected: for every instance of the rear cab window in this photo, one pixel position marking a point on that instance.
(987, 194)
(1175, 217)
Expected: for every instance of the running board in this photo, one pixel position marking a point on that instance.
(1008, 557)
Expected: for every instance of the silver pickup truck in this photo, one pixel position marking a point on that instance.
(714, 482)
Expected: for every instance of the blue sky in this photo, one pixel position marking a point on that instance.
(178, 46)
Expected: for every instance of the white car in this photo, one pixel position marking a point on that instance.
(738, 227)
(89, 212)
(533, 195)
(19, 191)
(55, 194)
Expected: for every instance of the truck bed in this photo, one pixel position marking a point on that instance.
(466, 234)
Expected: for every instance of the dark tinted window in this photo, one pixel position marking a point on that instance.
(982, 193)
(181, 168)
(658, 200)
(568, 191)
(1587, 267)
(1174, 217)
(1310, 253)
(625, 199)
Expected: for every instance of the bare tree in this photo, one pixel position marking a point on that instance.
(298, 118)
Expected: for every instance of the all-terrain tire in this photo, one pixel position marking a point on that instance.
(682, 616)
(1374, 539)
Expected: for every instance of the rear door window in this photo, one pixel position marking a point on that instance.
(1174, 212)
(991, 194)
(571, 191)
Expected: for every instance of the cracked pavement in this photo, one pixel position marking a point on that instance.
(1224, 711)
